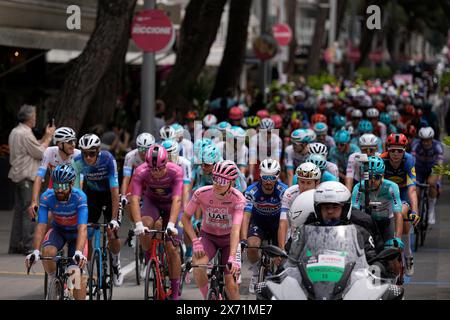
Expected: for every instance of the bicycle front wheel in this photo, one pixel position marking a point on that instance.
(107, 276)
(151, 282)
(212, 295)
(45, 285)
(94, 277)
(423, 229)
(55, 290)
(139, 260)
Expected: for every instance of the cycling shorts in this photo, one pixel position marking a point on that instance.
(211, 243)
(58, 238)
(264, 230)
(96, 200)
(386, 227)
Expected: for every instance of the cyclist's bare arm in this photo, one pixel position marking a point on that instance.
(39, 234)
(245, 223)
(35, 196)
(412, 194)
(398, 224)
(349, 183)
(135, 208)
(186, 192)
(81, 237)
(175, 209)
(234, 239)
(187, 225)
(125, 183)
(282, 232)
(290, 174)
(115, 202)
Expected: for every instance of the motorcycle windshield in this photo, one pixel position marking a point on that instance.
(326, 254)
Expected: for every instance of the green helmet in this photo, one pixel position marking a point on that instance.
(253, 121)
(318, 159)
(342, 136)
(211, 154)
(365, 126)
(385, 118)
(376, 165)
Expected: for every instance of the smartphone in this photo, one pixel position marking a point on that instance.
(53, 122)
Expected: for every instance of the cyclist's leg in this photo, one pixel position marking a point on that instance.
(80, 279)
(95, 210)
(200, 275)
(52, 243)
(432, 196)
(230, 282)
(386, 228)
(255, 236)
(406, 228)
(150, 214)
(174, 259)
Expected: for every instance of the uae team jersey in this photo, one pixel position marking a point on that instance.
(219, 214)
(67, 215)
(52, 159)
(158, 190)
(102, 176)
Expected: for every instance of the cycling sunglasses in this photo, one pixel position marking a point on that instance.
(143, 149)
(396, 150)
(61, 186)
(368, 150)
(220, 181)
(377, 176)
(269, 178)
(89, 154)
(72, 142)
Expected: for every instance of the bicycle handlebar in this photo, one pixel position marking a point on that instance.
(422, 185)
(167, 234)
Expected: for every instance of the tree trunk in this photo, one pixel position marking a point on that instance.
(319, 35)
(230, 68)
(342, 5)
(197, 34)
(88, 70)
(292, 13)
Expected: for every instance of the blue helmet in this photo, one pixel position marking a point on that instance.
(222, 126)
(376, 165)
(179, 130)
(385, 118)
(301, 135)
(339, 121)
(171, 146)
(318, 159)
(320, 128)
(211, 154)
(63, 174)
(365, 126)
(342, 136)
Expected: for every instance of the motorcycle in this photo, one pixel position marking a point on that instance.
(327, 263)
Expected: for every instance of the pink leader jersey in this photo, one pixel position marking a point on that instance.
(218, 214)
(158, 190)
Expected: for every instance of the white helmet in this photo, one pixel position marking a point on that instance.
(368, 140)
(64, 134)
(269, 167)
(391, 107)
(209, 120)
(267, 123)
(308, 171)
(301, 208)
(145, 140)
(89, 141)
(318, 148)
(167, 132)
(372, 113)
(426, 133)
(333, 192)
(356, 113)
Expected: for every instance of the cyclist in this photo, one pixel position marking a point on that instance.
(365, 127)
(388, 214)
(133, 159)
(339, 123)
(319, 148)
(308, 177)
(235, 115)
(368, 143)
(160, 183)
(209, 121)
(321, 130)
(400, 169)
(428, 152)
(234, 148)
(185, 145)
(262, 213)
(63, 153)
(297, 152)
(69, 225)
(352, 126)
(253, 122)
(379, 128)
(320, 161)
(223, 210)
(202, 174)
(97, 177)
(340, 154)
(265, 144)
(386, 119)
(167, 132)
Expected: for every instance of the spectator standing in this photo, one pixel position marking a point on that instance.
(25, 155)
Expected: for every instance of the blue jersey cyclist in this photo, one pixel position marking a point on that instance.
(262, 212)
(68, 206)
(97, 176)
(399, 168)
(340, 154)
(387, 212)
(428, 153)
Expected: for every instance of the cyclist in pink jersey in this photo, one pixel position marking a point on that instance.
(163, 185)
(223, 210)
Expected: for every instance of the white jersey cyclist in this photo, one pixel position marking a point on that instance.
(51, 159)
(131, 162)
(320, 148)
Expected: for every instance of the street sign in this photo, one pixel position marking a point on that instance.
(282, 33)
(152, 30)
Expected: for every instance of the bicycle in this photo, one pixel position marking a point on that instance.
(216, 289)
(157, 284)
(420, 230)
(139, 257)
(61, 287)
(186, 266)
(100, 267)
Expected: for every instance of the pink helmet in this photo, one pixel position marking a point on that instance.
(226, 170)
(156, 156)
